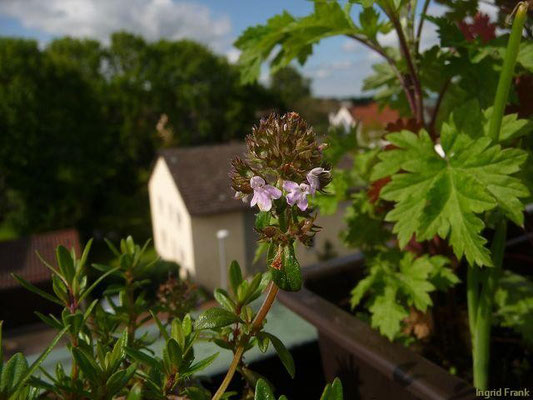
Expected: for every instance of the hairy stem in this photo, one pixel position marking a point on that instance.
(437, 106)
(257, 323)
(481, 342)
(490, 276)
(417, 88)
(509, 62)
(378, 49)
(472, 296)
(421, 23)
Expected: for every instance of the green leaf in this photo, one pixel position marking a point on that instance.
(66, 263)
(143, 358)
(295, 37)
(36, 290)
(441, 276)
(514, 304)
(362, 287)
(289, 276)
(235, 276)
(413, 279)
(87, 291)
(444, 196)
(162, 329)
(200, 365)
(371, 25)
(512, 127)
(216, 318)
(136, 392)
(283, 354)
(263, 391)
(387, 314)
(174, 352)
(85, 253)
(119, 379)
(87, 364)
(12, 372)
(333, 391)
(222, 297)
(262, 220)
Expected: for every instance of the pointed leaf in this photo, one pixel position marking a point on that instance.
(216, 318)
(288, 276)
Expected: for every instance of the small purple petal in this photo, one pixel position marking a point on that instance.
(302, 203)
(290, 186)
(264, 202)
(257, 182)
(272, 191)
(292, 198)
(254, 199)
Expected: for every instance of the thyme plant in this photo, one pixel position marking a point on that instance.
(111, 353)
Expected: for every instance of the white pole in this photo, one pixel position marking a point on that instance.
(222, 234)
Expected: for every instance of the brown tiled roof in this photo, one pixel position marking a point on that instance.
(201, 174)
(19, 256)
(371, 115)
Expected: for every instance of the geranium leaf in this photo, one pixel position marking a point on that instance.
(444, 196)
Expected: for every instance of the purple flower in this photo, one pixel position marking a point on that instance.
(263, 193)
(313, 177)
(297, 194)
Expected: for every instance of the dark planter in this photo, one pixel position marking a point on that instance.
(369, 366)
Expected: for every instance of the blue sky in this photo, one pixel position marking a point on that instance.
(337, 66)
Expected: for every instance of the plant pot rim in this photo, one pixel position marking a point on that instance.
(415, 373)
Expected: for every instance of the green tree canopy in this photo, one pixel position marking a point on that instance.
(78, 122)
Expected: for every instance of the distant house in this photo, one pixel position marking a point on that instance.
(191, 200)
(369, 116)
(20, 257)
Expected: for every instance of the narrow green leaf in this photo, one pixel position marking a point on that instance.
(263, 391)
(235, 276)
(66, 263)
(289, 276)
(87, 364)
(216, 318)
(333, 391)
(222, 297)
(36, 290)
(162, 329)
(143, 358)
(33, 367)
(135, 392)
(85, 254)
(112, 247)
(200, 365)
(12, 373)
(262, 219)
(87, 291)
(283, 354)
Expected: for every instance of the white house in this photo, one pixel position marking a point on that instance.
(191, 200)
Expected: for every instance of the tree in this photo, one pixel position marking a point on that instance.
(290, 86)
(78, 123)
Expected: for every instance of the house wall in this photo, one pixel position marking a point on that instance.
(206, 248)
(171, 222)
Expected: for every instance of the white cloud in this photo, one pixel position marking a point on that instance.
(233, 55)
(153, 19)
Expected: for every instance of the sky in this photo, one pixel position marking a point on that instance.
(337, 67)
